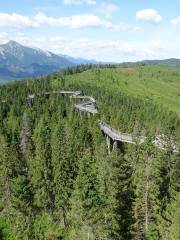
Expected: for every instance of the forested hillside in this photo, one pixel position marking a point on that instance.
(152, 83)
(57, 180)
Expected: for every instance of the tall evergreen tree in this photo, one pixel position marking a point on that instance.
(42, 179)
(85, 201)
(62, 172)
(6, 173)
(146, 182)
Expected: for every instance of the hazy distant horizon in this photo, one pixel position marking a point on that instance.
(109, 31)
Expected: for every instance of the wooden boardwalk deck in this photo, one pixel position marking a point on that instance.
(88, 106)
(84, 98)
(115, 135)
(71, 93)
(118, 136)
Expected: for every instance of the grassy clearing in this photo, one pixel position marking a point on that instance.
(152, 83)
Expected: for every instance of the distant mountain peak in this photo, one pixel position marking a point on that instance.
(20, 61)
(13, 43)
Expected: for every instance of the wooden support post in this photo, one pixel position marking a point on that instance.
(114, 145)
(108, 140)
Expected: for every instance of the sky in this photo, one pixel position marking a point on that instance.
(116, 31)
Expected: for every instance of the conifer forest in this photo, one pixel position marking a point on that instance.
(57, 178)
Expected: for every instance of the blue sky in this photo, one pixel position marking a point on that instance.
(118, 31)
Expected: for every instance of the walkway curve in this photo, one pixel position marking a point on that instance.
(87, 105)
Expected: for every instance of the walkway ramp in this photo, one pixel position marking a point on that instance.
(89, 108)
(118, 136)
(91, 99)
(71, 93)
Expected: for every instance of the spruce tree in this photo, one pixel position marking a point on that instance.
(84, 215)
(146, 184)
(42, 167)
(6, 173)
(62, 166)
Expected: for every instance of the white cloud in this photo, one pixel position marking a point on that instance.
(149, 15)
(107, 9)
(175, 22)
(81, 21)
(75, 21)
(4, 37)
(78, 2)
(107, 50)
(16, 21)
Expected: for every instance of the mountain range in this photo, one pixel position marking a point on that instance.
(171, 62)
(18, 61)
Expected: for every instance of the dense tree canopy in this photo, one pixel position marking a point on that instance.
(57, 180)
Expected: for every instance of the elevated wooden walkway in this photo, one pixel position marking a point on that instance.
(113, 136)
(71, 93)
(89, 108)
(91, 99)
(118, 136)
(88, 104)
